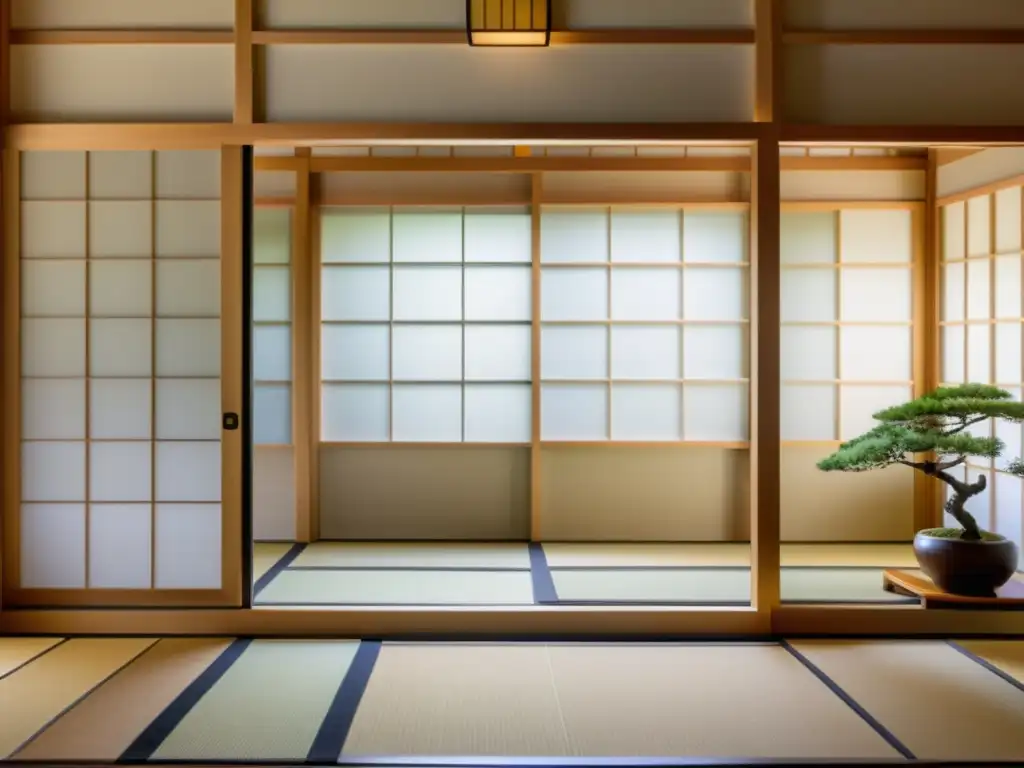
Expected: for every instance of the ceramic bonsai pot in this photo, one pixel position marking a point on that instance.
(960, 567)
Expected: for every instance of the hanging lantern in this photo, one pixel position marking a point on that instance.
(509, 22)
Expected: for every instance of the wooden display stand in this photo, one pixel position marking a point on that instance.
(1010, 596)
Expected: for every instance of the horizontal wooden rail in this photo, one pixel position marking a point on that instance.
(904, 37)
(527, 165)
(122, 37)
(457, 36)
(738, 36)
(196, 135)
(728, 36)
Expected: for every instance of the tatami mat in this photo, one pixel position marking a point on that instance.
(265, 556)
(104, 725)
(711, 554)
(331, 554)
(16, 651)
(849, 555)
(626, 555)
(268, 706)
(936, 701)
(601, 700)
(208, 700)
(1005, 655)
(323, 587)
(34, 695)
(718, 585)
(464, 699)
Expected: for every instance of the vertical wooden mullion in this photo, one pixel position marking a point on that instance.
(87, 383)
(244, 62)
(315, 387)
(536, 193)
(11, 519)
(302, 346)
(919, 348)
(927, 331)
(231, 332)
(765, 331)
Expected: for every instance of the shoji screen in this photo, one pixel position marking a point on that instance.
(425, 332)
(847, 352)
(273, 314)
(981, 332)
(644, 365)
(120, 369)
(272, 331)
(644, 325)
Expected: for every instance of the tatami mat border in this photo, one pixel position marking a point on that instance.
(527, 762)
(987, 665)
(544, 592)
(847, 699)
(157, 731)
(275, 570)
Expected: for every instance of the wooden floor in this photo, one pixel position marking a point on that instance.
(227, 700)
(328, 574)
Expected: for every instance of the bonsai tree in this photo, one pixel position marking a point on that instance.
(931, 435)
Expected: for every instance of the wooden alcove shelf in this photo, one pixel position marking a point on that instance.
(1008, 597)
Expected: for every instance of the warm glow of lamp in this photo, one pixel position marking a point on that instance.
(508, 22)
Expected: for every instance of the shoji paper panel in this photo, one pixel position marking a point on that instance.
(644, 333)
(425, 325)
(121, 401)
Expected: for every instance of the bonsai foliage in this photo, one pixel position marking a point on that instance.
(936, 428)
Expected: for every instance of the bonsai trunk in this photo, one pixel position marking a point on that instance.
(955, 506)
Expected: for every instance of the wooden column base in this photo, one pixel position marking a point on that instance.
(1008, 597)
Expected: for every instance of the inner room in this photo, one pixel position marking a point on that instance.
(525, 371)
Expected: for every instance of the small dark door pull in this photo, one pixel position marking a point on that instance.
(230, 421)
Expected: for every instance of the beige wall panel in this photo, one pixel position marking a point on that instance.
(273, 503)
(852, 185)
(977, 170)
(904, 84)
(654, 14)
(274, 184)
(62, 83)
(378, 14)
(904, 14)
(122, 14)
(684, 493)
(643, 186)
(424, 493)
(384, 187)
(456, 83)
(843, 506)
